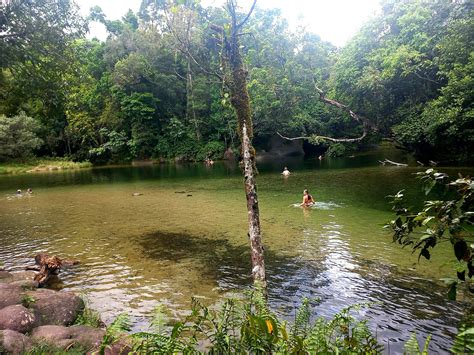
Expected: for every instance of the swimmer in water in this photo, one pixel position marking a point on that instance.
(307, 199)
(286, 172)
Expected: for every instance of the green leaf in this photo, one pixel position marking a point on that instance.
(452, 291)
(425, 252)
(469, 331)
(460, 249)
(427, 220)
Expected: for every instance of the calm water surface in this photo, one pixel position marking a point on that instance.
(186, 236)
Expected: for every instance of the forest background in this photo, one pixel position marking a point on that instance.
(154, 88)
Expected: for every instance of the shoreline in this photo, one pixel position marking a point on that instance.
(41, 165)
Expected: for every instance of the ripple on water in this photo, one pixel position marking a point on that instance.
(319, 205)
(400, 304)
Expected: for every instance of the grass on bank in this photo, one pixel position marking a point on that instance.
(40, 165)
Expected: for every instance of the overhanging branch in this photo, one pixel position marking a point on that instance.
(322, 97)
(334, 140)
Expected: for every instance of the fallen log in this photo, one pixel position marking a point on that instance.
(386, 161)
(48, 266)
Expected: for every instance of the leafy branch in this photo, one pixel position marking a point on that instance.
(439, 221)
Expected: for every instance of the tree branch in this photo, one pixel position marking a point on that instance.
(425, 78)
(322, 97)
(12, 35)
(335, 140)
(248, 15)
(183, 46)
(386, 161)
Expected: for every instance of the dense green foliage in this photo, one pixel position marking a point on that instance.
(249, 326)
(18, 138)
(410, 70)
(152, 90)
(449, 219)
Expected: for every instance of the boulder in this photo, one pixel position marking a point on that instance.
(55, 307)
(88, 337)
(279, 147)
(64, 337)
(10, 295)
(25, 284)
(23, 275)
(5, 276)
(229, 154)
(17, 318)
(56, 335)
(120, 347)
(14, 342)
(23, 279)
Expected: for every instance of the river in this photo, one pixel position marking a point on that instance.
(186, 235)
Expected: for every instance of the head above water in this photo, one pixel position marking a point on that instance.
(306, 192)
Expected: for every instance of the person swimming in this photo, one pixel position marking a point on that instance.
(286, 172)
(307, 199)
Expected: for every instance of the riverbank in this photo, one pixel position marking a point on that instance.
(41, 165)
(38, 320)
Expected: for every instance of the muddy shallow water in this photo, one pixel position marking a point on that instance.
(186, 236)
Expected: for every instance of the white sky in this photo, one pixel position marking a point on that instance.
(335, 21)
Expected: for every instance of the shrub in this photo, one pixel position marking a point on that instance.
(212, 150)
(336, 150)
(441, 220)
(18, 137)
(249, 326)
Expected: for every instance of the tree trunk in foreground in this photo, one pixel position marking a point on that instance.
(240, 100)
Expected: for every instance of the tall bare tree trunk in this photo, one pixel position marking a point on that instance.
(190, 111)
(240, 101)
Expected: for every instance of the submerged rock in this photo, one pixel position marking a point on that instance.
(56, 308)
(14, 342)
(17, 318)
